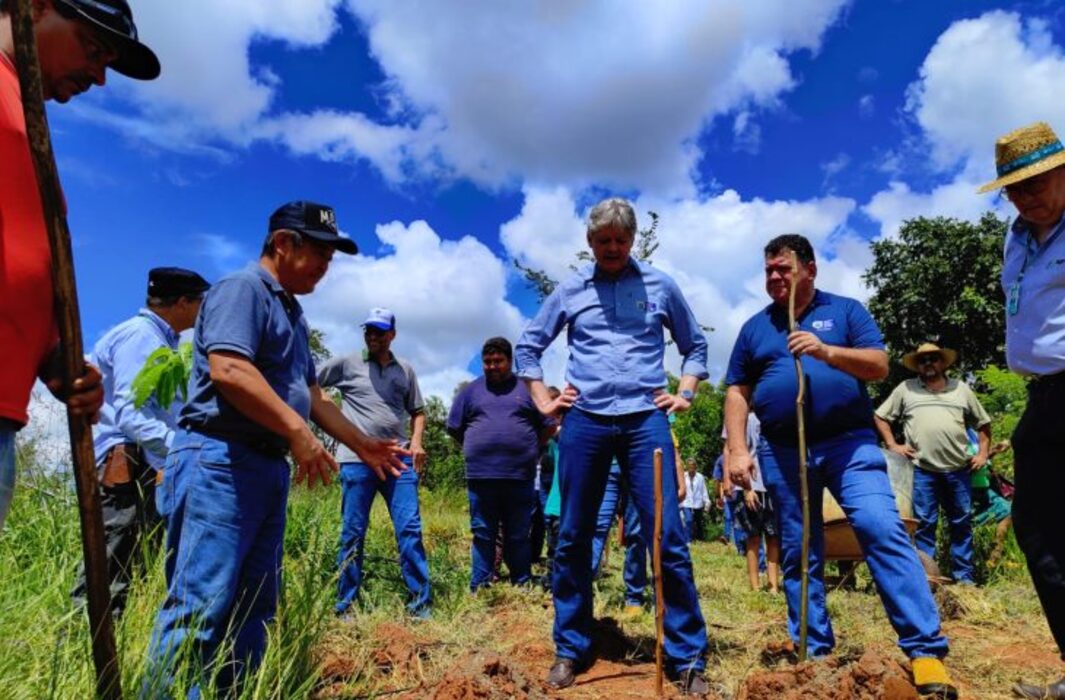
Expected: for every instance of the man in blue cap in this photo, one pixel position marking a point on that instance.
(77, 41)
(131, 443)
(252, 390)
(381, 396)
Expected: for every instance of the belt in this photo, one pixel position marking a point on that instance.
(1045, 382)
(263, 447)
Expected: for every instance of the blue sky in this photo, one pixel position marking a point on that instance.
(454, 137)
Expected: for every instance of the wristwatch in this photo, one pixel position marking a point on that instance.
(686, 394)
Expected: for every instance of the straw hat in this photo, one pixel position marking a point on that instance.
(909, 360)
(1025, 153)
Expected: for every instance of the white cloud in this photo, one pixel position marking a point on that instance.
(604, 93)
(983, 78)
(448, 297)
(866, 106)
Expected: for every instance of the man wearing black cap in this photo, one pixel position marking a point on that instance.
(252, 389)
(77, 40)
(131, 443)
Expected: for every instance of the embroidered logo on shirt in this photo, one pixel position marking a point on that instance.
(647, 306)
(825, 325)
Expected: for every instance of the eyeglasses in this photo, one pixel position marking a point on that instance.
(1032, 187)
(928, 359)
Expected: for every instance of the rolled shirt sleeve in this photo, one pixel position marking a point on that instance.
(687, 334)
(234, 318)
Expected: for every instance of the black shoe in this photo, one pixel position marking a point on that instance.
(1054, 691)
(691, 682)
(562, 674)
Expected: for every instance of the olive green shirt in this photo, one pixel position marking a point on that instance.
(934, 422)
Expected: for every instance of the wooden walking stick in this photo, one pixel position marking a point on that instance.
(800, 420)
(104, 652)
(656, 559)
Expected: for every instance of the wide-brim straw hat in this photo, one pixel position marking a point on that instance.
(909, 360)
(1025, 153)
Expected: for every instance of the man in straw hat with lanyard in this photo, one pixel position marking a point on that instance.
(77, 41)
(1029, 164)
(840, 348)
(935, 411)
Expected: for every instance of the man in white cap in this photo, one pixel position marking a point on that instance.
(934, 411)
(381, 396)
(1029, 164)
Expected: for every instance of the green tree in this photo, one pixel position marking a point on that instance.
(1004, 396)
(698, 429)
(938, 281)
(445, 467)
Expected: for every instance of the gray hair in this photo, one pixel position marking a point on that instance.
(614, 212)
(271, 241)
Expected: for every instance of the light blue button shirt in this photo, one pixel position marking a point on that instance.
(1035, 334)
(616, 339)
(120, 354)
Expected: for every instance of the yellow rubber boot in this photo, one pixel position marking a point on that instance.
(932, 680)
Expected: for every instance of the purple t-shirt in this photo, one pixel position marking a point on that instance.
(499, 428)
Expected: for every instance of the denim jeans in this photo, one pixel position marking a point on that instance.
(634, 572)
(360, 485)
(7, 472)
(853, 469)
(171, 491)
(227, 567)
(493, 501)
(588, 444)
(954, 492)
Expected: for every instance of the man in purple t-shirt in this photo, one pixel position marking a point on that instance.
(500, 430)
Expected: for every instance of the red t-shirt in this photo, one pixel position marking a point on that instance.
(27, 317)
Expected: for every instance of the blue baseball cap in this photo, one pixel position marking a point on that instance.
(317, 221)
(381, 319)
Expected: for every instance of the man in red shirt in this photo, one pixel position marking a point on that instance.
(77, 40)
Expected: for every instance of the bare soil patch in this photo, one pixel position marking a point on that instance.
(873, 676)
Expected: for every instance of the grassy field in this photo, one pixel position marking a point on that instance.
(495, 644)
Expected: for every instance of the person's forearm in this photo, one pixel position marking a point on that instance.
(689, 382)
(867, 364)
(417, 428)
(984, 439)
(538, 392)
(243, 385)
(884, 429)
(331, 420)
(737, 406)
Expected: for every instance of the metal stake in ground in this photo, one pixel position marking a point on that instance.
(800, 420)
(656, 558)
(105, 655)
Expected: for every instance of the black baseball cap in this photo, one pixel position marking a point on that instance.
(168, 282)
(114, 20)
(317, 221)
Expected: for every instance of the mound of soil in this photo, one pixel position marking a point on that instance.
(481, 676)
(873, 676)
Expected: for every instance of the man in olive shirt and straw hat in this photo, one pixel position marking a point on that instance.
(935, 411)
(1029, 164)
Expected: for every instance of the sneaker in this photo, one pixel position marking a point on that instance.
(932, 680)
(562, 674)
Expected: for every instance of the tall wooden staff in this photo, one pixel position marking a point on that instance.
(800, 420)
(656, 559)
(105, 655)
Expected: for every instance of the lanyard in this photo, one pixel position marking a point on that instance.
(1013, 296)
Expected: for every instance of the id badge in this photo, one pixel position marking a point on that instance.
(1013, 298)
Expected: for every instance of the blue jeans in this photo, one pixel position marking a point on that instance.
(588, 444)
(170, 493)
(400, 494)
(853, 469)
(227, 567)
(954, 492)
(635, 571)
(492, 501)
(7, 472)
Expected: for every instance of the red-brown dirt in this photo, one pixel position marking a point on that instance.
(872, 677)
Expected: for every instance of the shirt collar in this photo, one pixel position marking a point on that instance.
(169, 333)
(366, 357)
(1021, 228)
(820, 299)
(591, 271)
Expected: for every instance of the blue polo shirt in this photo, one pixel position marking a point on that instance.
(835, 401)
(250, 314)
